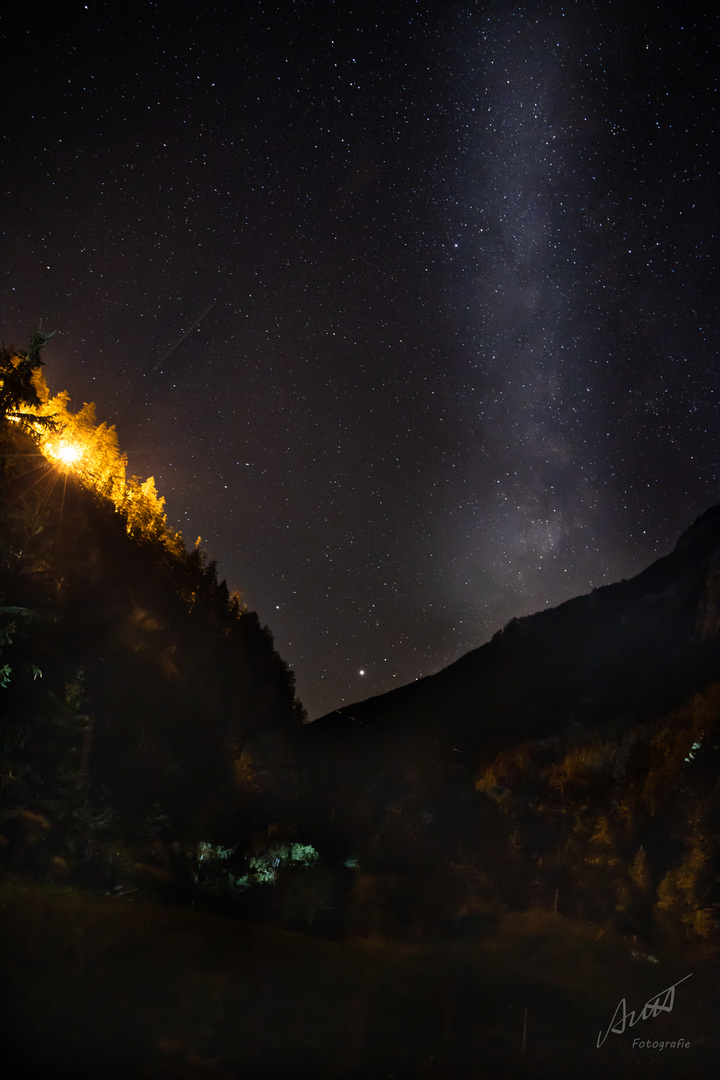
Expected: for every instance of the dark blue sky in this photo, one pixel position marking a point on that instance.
(461, 358)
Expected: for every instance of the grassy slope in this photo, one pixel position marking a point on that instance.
(104, 988)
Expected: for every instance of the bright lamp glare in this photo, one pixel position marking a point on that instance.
(67, 453)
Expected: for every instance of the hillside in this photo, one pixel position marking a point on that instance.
(570, 762)
(633, 646)
(100, 988)
(138, 695)
(441, 881)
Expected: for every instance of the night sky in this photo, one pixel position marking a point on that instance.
(448, 278)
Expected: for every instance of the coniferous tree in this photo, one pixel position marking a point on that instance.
(19, 390)
(176, 673)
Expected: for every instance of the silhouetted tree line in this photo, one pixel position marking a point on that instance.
(151, 743)
(496, 782)
(615, 822)
(135, 690)
(619, 824)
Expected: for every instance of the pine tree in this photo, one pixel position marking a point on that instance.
(19, 388)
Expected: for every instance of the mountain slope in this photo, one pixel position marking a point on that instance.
(570, 763)
(131, 682)
(629, 647)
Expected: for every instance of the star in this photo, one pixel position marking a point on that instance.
(440, 346)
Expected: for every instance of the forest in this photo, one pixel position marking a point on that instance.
(407, 881)
(142, 702)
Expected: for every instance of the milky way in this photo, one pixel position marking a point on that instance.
(409, 309)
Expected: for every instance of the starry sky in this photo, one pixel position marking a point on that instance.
(409, 308)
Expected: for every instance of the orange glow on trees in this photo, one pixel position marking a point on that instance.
(76, 442)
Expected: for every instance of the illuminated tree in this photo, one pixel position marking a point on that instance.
(20, 390)
(144, 509)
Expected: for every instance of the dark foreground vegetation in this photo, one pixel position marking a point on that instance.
(461, 879)
(103, 988)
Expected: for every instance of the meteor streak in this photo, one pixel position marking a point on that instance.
(180, 340)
